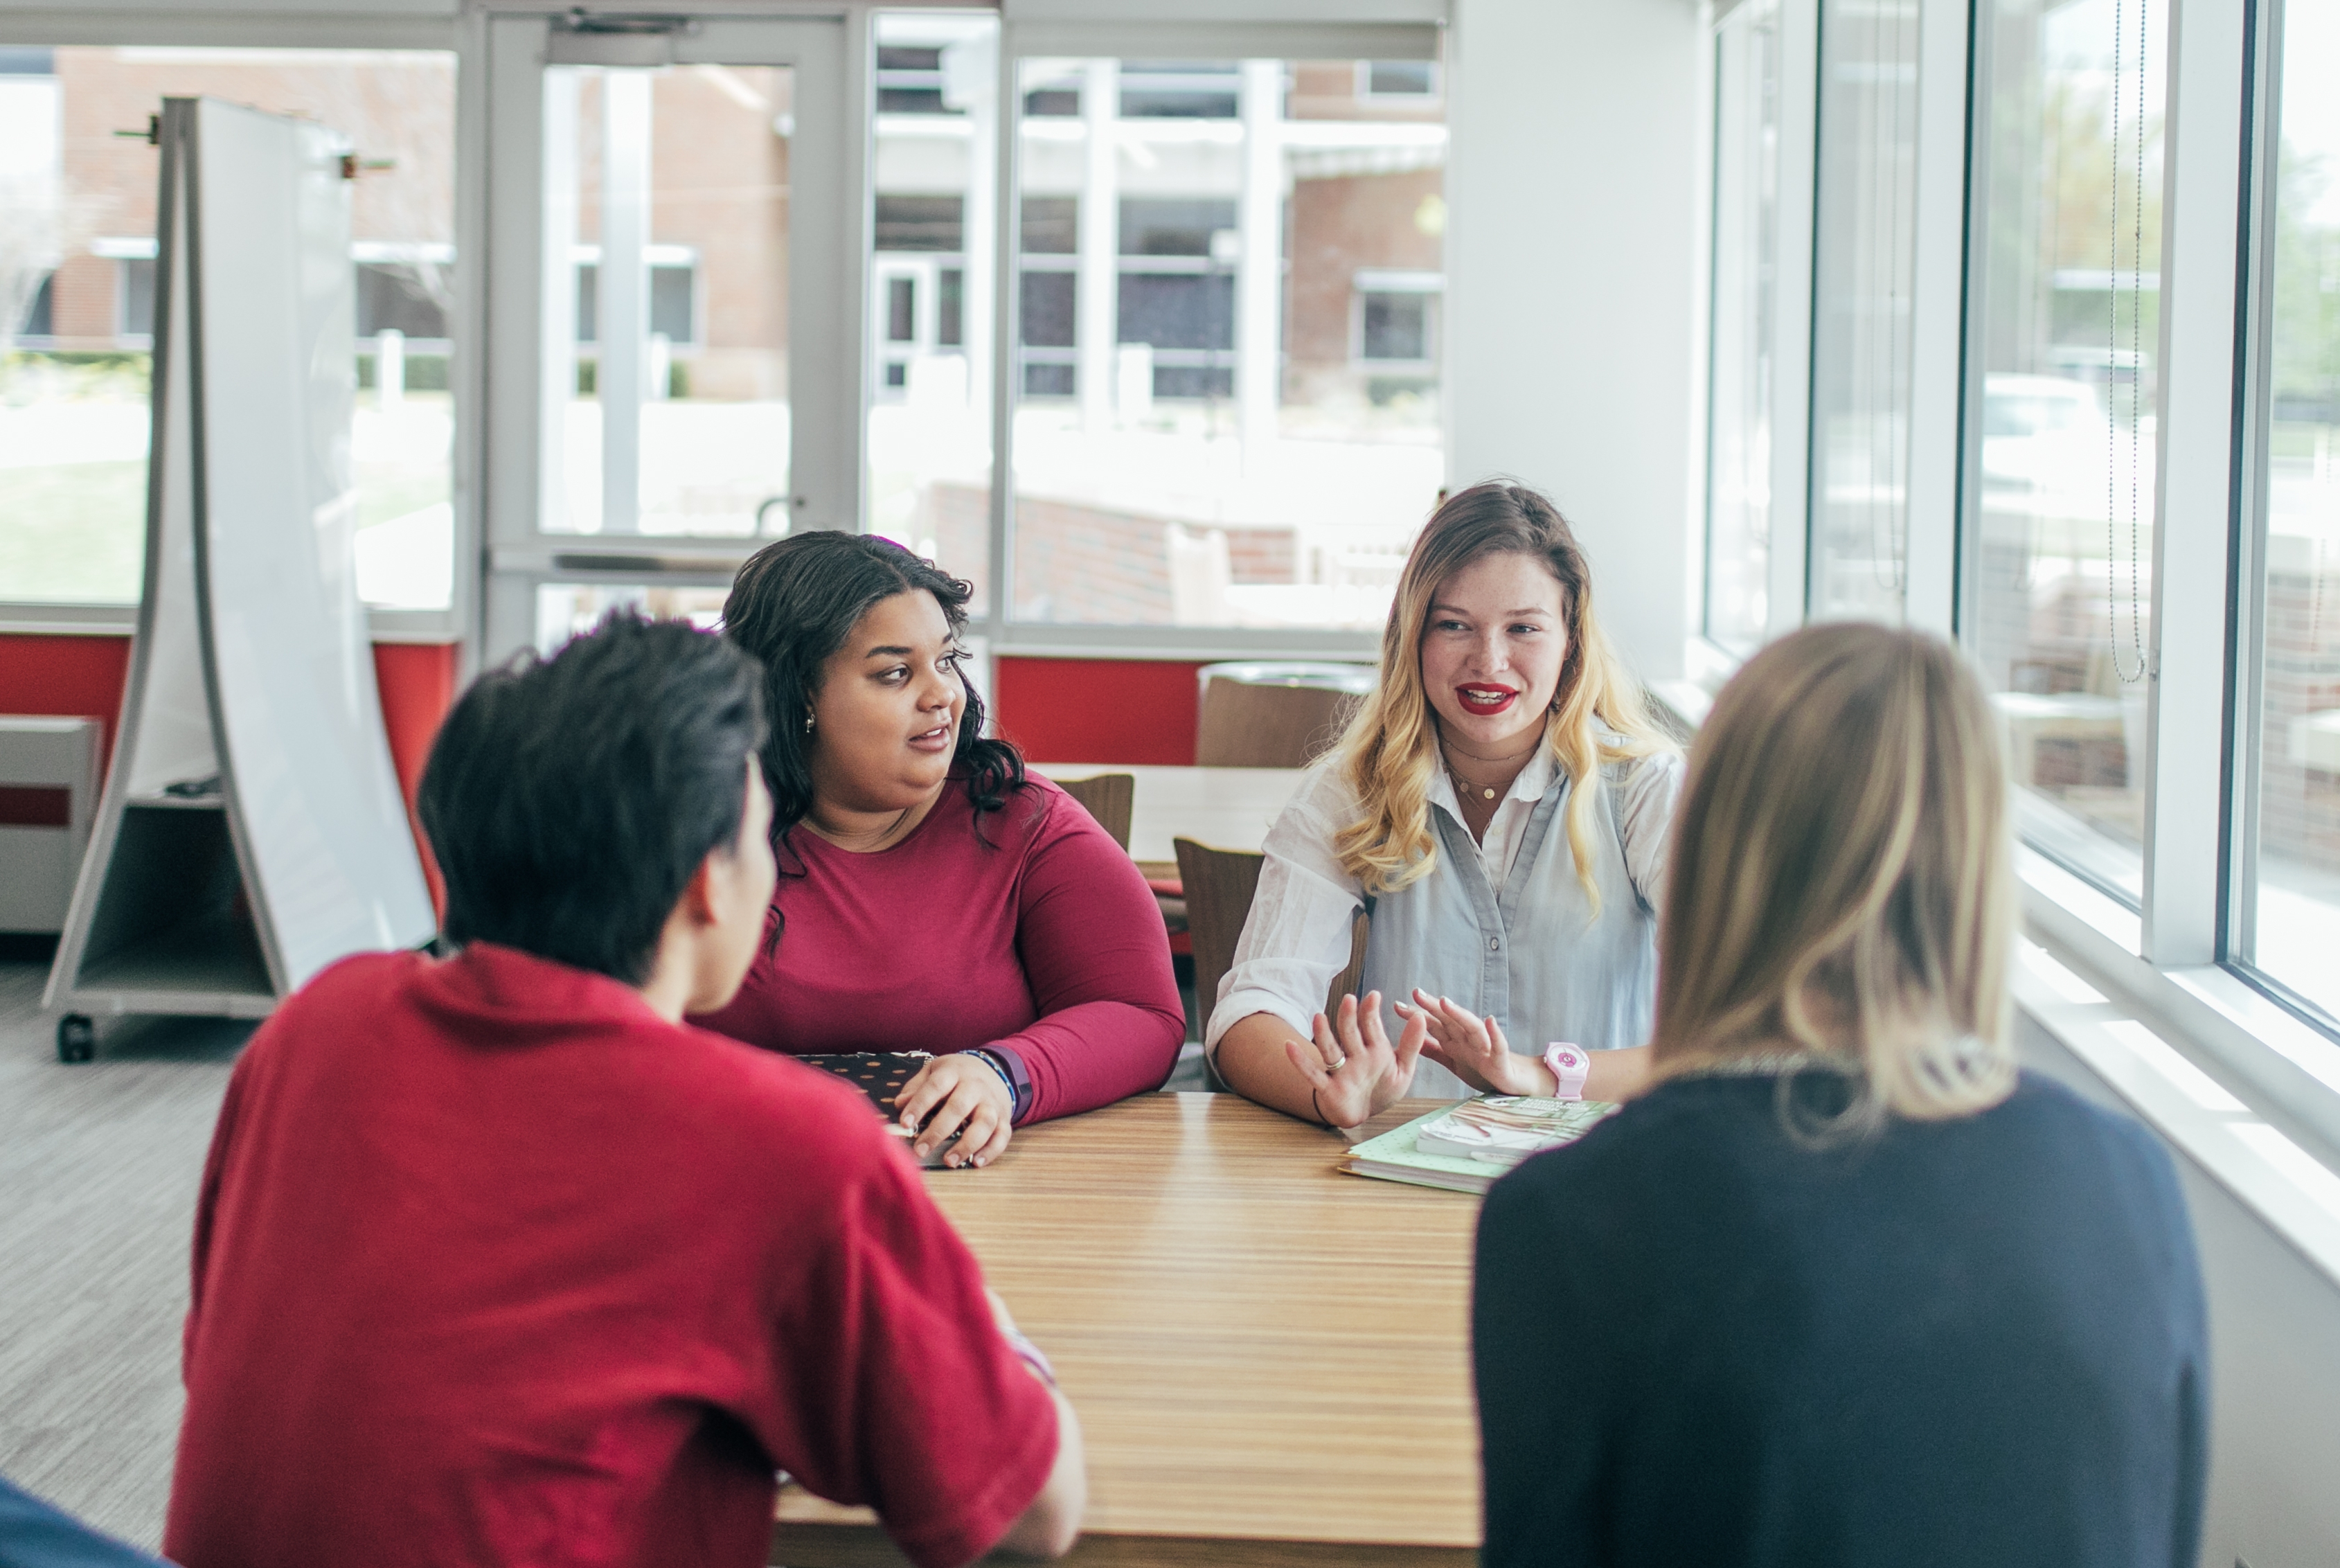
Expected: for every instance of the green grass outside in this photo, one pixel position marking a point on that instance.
(73, 533)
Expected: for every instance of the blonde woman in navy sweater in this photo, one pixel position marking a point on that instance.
(1844, 1287)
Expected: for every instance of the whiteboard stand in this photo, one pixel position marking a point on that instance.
(251, 830)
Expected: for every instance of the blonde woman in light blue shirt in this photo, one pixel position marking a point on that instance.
(1500, 805)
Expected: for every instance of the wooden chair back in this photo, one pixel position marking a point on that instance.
(1350, 978)
(1268, 724)
(1109, 798)
(1220, 884)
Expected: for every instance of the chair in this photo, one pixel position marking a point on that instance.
(1219, 884)
(1256, 715)
(1109, 798)
(1350, 978)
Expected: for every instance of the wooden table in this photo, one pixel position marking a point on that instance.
(1270, 1359)
(1225, 808)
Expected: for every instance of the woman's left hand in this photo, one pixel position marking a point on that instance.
(1473, 1048)
(965, 1096)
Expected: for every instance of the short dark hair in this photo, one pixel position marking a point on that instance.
(794, 604)
(570, 799)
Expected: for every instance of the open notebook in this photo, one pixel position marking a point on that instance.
(1468, 1146)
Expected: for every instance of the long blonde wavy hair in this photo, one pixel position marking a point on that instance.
(1389, 753)
(1839, 881)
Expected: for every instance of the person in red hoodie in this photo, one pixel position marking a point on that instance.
(497, 1261)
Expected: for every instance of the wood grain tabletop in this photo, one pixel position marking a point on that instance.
(1270, 1359)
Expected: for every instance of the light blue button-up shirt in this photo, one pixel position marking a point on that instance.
(1502, 926)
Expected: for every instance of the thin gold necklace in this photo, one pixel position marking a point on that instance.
(1463, 784)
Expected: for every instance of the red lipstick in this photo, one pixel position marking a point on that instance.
(1485, 697)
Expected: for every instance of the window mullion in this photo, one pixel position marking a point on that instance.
(1936, 300)
(1791, 398)
(2203, 209)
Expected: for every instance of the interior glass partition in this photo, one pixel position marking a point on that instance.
(1229, 277)
(2060, 526)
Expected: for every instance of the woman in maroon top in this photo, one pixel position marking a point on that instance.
(932, 896)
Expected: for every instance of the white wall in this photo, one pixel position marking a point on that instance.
(1571, 283)
(2275, 1366)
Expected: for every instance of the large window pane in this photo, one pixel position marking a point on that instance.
(2292, 928)
(2061, 525)
(935, 241)
(1746, 345)
(665, 281)
(1230, 275)
(77, 296)
(1862, 255)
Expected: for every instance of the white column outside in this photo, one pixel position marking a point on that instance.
(1259, 269)
(624, 292)
(557, 292)
(1098, 261)
(971, 82)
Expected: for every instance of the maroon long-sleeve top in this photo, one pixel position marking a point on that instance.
(1025, 931)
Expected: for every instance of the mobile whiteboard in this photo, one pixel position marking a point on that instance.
(253, 831)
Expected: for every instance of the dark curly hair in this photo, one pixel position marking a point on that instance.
(795, 603)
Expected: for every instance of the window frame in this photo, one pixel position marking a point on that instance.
(2246, 643)
(1796, 213)
(2174, 957)
(310, 30)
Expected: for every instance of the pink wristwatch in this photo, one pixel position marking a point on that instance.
(1569, 1064)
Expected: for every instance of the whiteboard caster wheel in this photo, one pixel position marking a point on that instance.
(76, 1040)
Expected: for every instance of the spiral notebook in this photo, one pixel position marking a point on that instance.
(1468, 1147)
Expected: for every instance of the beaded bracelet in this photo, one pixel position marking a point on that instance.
(989, 1060)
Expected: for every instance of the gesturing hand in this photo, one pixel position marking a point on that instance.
(963, 1094)
(1472, 1048)
(1351, 1066)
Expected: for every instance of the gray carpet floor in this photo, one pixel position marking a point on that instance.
(99, 1165)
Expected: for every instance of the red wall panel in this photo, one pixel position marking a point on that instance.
(82, 676)
(418, 686)
(1124, 711)
(66, 677)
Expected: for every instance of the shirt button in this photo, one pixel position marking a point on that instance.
(1494, 944)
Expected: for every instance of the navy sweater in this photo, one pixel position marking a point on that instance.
(1978, 1342)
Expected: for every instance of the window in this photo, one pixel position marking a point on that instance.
(936, 223)
(77, 285)
(1863, 253)
(1227, 347)
(2061, 490)
(2288, 924)
(1398, 78)
(1743, 373)
(667, 210)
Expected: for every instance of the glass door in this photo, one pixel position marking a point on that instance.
(671, 269)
